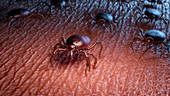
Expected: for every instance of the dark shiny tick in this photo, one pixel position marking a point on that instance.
(19, 13)
(149, 6)
(124, 1)
(104, 19)
(77, 44)
(152, 14)
(151, 38)
(60, 4)
(156, 1)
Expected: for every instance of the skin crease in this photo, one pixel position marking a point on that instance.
(26, 47)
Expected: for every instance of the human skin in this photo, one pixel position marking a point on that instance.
(26, 47)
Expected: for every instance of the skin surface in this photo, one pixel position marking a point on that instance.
(26, 47)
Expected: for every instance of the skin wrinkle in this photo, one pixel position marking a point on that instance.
(13, 43)
(38, 79)
(104, 66)
(14, 50)
(6, 67)
(27, 81)
(7, 83)
(60, 76)
(63, 81)
(96, 81)
(71, 79)
(15, 91)
(10, 68)
(24, 77)
(7, 43)
(126, 78)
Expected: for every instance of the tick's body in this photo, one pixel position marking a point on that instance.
(152, 14)
(156, 35)
(77, 44)
(104, 19)
(60, 4)
(156, 1)
(17, 13)
(151, 38)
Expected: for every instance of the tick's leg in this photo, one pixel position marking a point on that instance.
(53, 56)
(72, 52)
(55, 51)
(11, 21)
(145, 17)
(35, 13)
(95, 62)
(110, 26)
(165, 21)
(56, 46)
(141, 32)
(102, 23)
(115, 26)
(101, 47)
(167, 46)
(90, 16)
(163, 45)
(63, 40)
(145, 51)
(87, 62)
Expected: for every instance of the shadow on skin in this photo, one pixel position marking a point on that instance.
(25, 57)
(62, 59)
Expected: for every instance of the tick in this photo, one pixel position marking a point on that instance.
(152, 14)
(156, 1)
(79, 44)
(19, 13)
(151, 38)
(60, 4)
(104, 19)
(124, 1)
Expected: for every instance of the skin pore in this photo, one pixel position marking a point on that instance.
(26, 47)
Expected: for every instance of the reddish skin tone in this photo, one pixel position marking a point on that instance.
(26, 69)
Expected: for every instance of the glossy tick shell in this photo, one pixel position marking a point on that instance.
(104, 16)
(19, 12)
(124, 0)
(78, 41)
(155, 1)
(153, 13)
(58, 2)
(157, 35)
(152, 0)
(78, 44)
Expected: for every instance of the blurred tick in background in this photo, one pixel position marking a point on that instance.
(151, 38)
